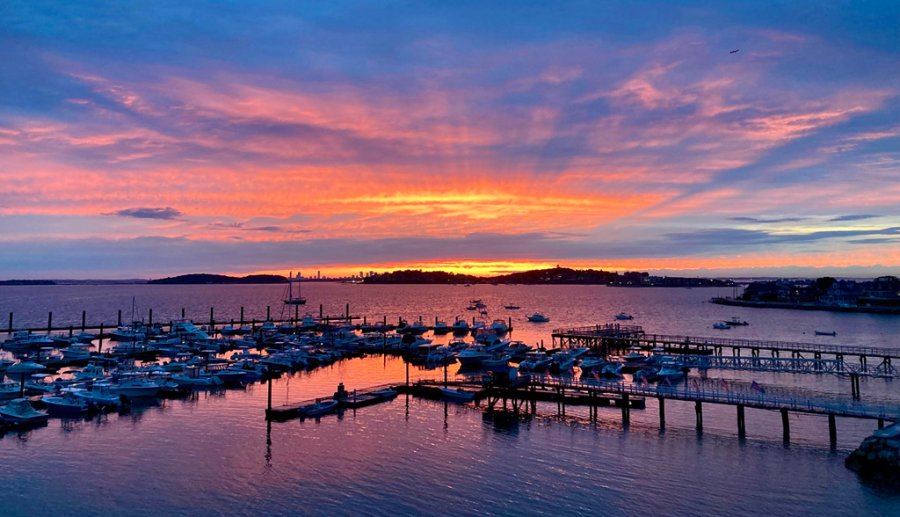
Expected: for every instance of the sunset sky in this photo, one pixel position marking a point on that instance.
(142, 139)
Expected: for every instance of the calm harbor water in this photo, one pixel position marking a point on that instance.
(215, 454)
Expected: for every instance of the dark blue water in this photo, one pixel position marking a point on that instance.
(214, 453)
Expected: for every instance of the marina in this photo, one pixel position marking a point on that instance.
(714, 403)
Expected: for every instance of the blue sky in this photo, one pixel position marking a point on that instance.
(153, 138)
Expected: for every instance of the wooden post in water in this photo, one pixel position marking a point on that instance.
(741, 422)
(242, 315)
(347, 311)
(268, 312)
(71, 330)
(662, 413)
(407, 371)
(212, 322)
(786, 426)
(83, 320)
(626, 410)
(321, 311)
(119, 318)
(698, 408)
(50, 322)
(832, 431)
(445, 374)
(296, 314)
(182, 313)
(150, 322)
(270, 394)
(100, 342)
(10, 323)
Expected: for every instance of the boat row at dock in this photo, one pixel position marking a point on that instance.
(67, 376)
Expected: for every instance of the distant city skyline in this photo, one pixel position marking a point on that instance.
(141, 141)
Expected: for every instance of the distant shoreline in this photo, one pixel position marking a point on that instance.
(803, 306)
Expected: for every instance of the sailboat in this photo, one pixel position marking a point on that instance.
(291, 299)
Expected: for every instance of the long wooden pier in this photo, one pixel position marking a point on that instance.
(524, 393)
(807, 357)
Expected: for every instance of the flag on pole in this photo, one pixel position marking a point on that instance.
(755, 386)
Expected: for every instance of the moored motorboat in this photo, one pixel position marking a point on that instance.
(624, 316)
(826, 333)
(736, 322)
(24, 369)
(20, 411)
(537, 317)
(457, 395)
(721, 325)
(65, 403)
(386, 394)
(472, 356)
(321, 407)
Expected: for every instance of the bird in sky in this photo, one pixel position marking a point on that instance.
(735, 51)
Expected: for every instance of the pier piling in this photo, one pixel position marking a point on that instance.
(10, 323)
(119, 318)
(268, 312)
(50, 322)
(786, 426)
(662, 413)
(182, 313)
(741, 421)
(242, 315)
(150, 322)
(626, 410)
(698, 409)
(83, 320)
(100, 340)
(832, 431)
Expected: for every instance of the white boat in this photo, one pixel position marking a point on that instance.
(10, 390)
(563, 360)
(500, 327)
(319, 408)
(99, 395)
(535, 361)
(193, 376)
(135, 387)
(41, 383)
(77, 352)
(386, 394)
(497, 364)
(24, 369)
(20, 411)
(612, 370)
(472, 356)
(537, 317)
(65, 403)
(91, 372)
(590, 364)
(721, 325)
(624, 316)
(291, 299)
(457, 395)
(670, 371)
(22, 340)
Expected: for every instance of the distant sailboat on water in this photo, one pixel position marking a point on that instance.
(291, 299)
